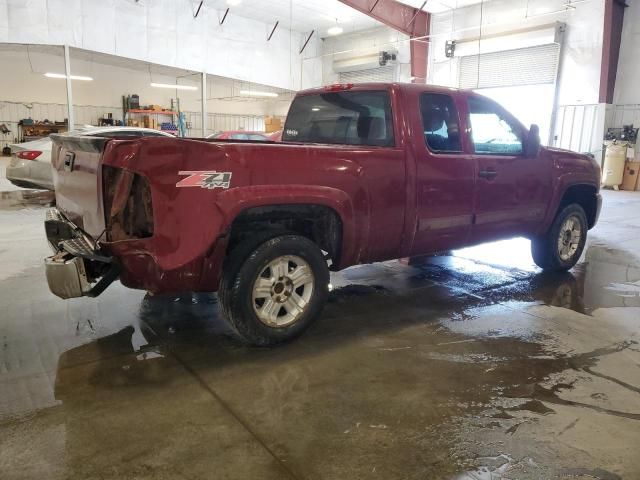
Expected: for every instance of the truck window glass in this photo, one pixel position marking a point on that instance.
(346, 118)
(440, 123)
(492, 132)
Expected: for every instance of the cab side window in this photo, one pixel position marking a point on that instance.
(492, 131)
(440, 123)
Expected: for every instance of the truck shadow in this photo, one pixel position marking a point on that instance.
(191, 327)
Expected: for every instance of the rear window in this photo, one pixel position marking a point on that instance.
(346, 118)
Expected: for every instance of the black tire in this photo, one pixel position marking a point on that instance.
(545, 250)
(242, 268)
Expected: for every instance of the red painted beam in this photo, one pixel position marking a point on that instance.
(613, 17)
(406, 19)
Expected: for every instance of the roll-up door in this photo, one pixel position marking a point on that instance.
(380, 74)
(509, 68)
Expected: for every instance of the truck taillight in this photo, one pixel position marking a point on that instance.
(28, 154)
(128, 210)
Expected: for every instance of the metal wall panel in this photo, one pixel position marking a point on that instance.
(577, 128)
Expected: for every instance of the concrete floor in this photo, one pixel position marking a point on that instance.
(473, 366)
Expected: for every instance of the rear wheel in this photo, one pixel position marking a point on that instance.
(561, 247)
(273, 292)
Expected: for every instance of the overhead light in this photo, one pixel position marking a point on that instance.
(174, 87)
(258, 93)
(62, 75)
(315, 109)
(335, 30)
(233, 3)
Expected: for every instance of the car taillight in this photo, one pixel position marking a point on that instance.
(28, 154)
(127, 204)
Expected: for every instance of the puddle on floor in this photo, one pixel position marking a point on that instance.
(587, 287)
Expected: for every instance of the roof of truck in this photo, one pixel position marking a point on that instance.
(422, 87)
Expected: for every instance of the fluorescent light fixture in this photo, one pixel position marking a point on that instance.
(174, 87)
(62, 75)
(233, 3)
(258, 93)
(335, 30)
(315, 109)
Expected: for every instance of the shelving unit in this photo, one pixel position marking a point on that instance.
(157, 115)
(36, 131)
(152, 112)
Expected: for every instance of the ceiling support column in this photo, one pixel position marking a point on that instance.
(612, 36)
(67, 70)
(406, 19)
(203, 105)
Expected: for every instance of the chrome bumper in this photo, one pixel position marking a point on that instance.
(67, 270)
(67, 278)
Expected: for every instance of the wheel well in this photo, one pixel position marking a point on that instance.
(318, 223)
(585, 196)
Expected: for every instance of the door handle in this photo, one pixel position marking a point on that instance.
(487, 174)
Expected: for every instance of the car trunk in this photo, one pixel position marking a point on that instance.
(77, 178)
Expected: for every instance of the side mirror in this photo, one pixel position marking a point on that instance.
(532, 142)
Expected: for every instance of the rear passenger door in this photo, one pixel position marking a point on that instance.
(445, 176)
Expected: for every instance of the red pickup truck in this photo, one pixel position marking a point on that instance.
(364, 173)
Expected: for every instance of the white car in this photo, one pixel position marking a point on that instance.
(30, 165)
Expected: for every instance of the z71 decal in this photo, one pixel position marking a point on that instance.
(208, 180)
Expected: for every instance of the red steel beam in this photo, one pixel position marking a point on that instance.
(613, 17)
(406, 19)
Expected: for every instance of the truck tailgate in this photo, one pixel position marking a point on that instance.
(77, 178)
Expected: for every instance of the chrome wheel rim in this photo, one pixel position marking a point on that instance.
(282, 291)
(569, 238)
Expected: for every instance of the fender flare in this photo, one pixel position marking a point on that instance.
(563, 184)
(233, 202)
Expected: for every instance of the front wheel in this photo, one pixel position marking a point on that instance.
(560, 248)
(272, 293)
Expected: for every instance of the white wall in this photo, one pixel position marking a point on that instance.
(363, 43)
(26, 92)
(165, 32)
(580, 73)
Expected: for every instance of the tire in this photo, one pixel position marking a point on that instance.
(553, 253)
(263, 297)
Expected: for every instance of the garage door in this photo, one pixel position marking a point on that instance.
(380, 74)
(509, 68)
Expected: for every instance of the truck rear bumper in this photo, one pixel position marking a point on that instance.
(76, 263)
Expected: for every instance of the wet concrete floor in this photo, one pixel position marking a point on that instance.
(471, 366)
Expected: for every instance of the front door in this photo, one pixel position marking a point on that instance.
(512, 190)
(445, 176)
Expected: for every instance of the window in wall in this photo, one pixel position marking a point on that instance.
(346, 118)
(440, 123)
(493, 133)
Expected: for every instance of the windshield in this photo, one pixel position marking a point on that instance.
(347, 118)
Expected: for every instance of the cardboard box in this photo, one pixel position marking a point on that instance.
(631, 178)
(156, 108)
(272, 124)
